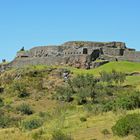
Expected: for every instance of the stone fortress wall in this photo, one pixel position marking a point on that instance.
(131, 55)
(79, 54)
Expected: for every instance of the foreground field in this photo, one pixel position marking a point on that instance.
(91, 129)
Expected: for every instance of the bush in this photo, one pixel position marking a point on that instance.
(82, 81)
(105, 132)
(23, 94)
(108, 106)
(83, 119)
(127, 101)
(32, 123)
(83, 95)
(1, 102)
(25, 109)
(20, 87)
(114, 76)
(64, 94)
(129, 124)
(58, 135)
(6, 121)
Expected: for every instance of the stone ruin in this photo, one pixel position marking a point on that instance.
(79, 54)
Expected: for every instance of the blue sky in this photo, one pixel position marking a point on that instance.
(31, 23)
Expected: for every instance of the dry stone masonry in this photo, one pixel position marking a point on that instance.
(80, 54)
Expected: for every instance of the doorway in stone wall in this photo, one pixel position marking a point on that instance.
(85, 51)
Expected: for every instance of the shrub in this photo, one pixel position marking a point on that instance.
(25, 109)
(129, 124)
(1, 89)
(83, 95)
(127, 101)
(114, 76)
(32, 123)
(1, 102)
(58, 135)
(64, 94)
(83, 81)
(20, 87)
(81, 98)
(105, 132)
(7, 121)
(23, 94)
(108, 106)
(106, 77)
(83, 119)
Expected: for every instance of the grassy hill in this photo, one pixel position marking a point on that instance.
(29, 109)
(123, 66)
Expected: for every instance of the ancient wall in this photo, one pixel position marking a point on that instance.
(131, 56)
(44, 51)
(113, 51)
(94, 44)
(74, 53)
(23, 54)
(52, 60)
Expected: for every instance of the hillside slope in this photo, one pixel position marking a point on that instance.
(30, 110)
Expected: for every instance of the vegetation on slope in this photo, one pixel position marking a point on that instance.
(36, 103)
(122, 66)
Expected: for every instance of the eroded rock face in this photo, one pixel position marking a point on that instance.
(80, 54)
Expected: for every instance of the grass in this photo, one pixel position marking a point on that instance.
(122, 66)
(133, 80)
(68, 120)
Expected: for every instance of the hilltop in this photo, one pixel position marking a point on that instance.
(79, 54)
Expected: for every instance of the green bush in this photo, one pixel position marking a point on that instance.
(82, 81)
(108, 106)
(25, 109)
(114, 76)
(23, 94)
(20, 87)
(32, 123)
(58, 135)
(83, 119)
(105, 132)
(127, 101)
(7, 121)
(129, 124)
(64, 94)
(81, 97)
(85, 89)
(1, 102)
